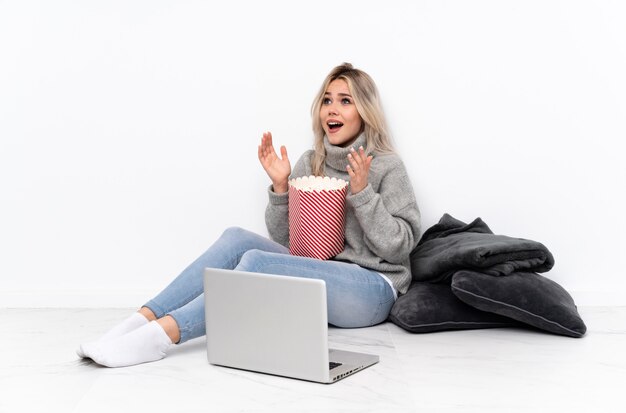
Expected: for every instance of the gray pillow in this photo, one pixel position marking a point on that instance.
(523, 296)
(427, 307)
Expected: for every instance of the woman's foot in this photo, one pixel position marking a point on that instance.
(133, 322)
(147, 343)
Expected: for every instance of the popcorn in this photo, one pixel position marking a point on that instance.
(317, 216)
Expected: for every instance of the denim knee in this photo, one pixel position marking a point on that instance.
(251, 260)
(234, 234)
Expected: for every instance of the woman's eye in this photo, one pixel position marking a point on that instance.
(345, 101)
(326, 101)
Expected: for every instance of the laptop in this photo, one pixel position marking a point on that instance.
(273, 324)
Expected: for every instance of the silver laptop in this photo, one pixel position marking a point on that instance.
(273, 324)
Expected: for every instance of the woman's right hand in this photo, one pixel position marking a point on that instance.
(278, 169)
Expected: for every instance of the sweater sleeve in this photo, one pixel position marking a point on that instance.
(390, 217)
(277, 211)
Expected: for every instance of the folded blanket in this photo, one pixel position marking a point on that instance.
(453, 245)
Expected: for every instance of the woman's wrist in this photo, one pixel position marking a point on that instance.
(280, 187)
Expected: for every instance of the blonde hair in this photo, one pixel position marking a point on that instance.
(365, 95)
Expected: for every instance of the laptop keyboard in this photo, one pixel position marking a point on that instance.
(332, 365)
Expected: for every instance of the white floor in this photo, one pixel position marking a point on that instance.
(503, 370)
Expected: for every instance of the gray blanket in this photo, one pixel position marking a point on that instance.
(452, 245)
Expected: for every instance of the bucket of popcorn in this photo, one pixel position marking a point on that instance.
(317, 212)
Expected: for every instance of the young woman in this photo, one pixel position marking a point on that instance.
(382, 226)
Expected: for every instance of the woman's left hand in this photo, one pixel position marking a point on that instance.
(358, 169)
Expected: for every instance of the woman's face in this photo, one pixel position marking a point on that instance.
(340, 119)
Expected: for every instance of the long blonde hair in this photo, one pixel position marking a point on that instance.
(365, 94)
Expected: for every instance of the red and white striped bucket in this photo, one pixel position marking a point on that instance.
(317, 213)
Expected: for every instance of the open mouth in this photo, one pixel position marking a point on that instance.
(334, 126)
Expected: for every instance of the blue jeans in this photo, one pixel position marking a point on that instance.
(356, 297)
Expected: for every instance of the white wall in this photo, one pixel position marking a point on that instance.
(128, 129)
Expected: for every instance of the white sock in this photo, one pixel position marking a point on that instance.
(131, 323)
(145, 344)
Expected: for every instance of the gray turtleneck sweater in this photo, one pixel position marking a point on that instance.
(382, 221)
